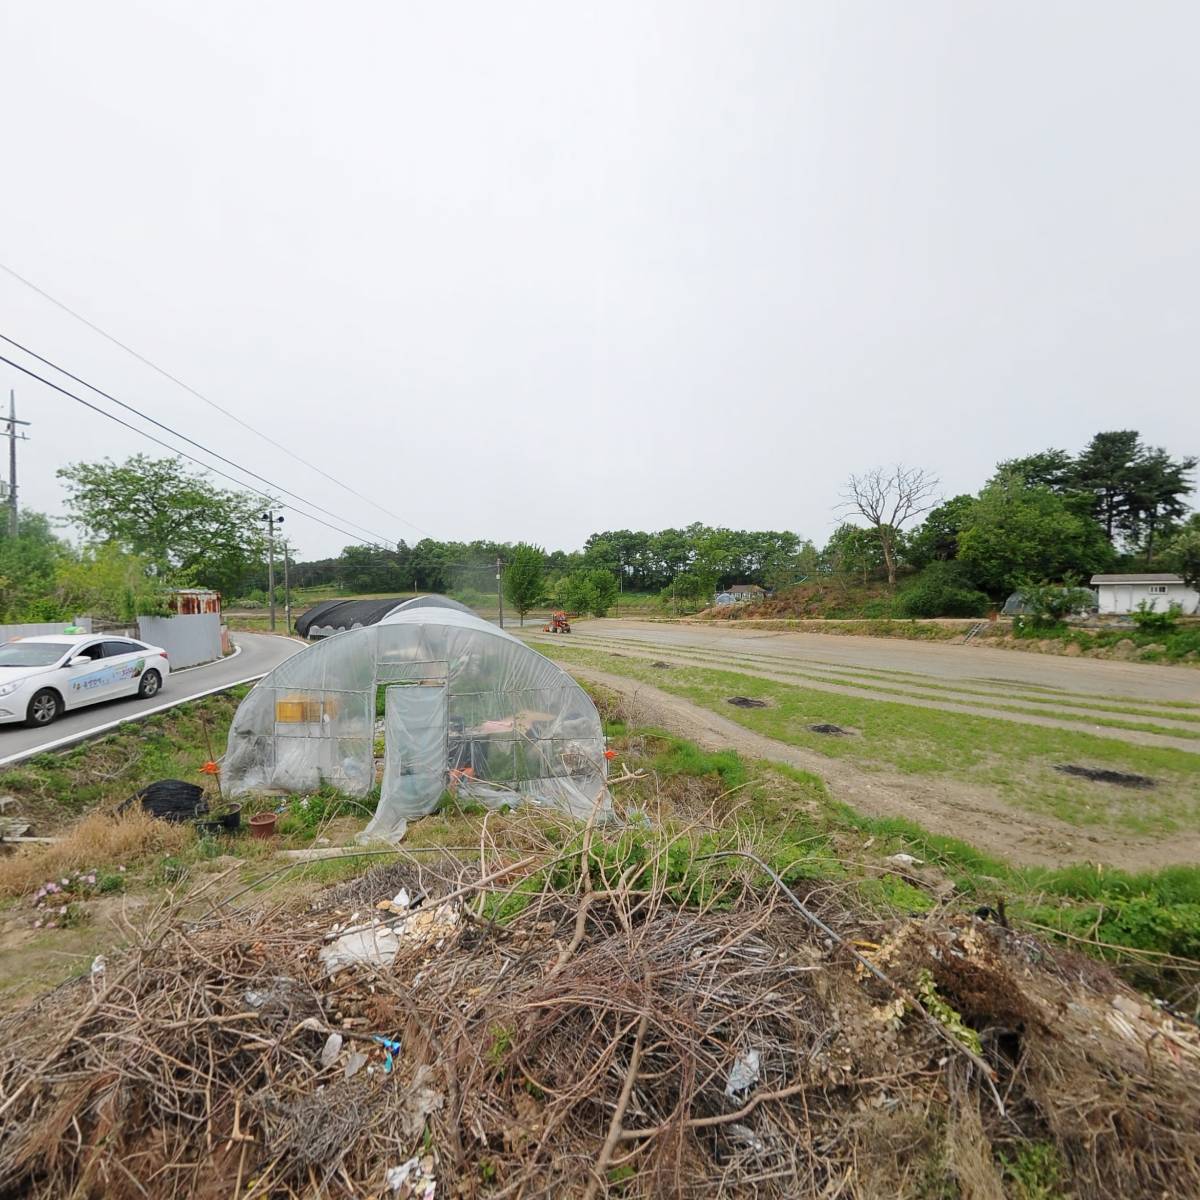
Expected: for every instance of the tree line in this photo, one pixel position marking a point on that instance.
(1050, 516)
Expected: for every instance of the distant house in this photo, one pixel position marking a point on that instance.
(1123, 593)
(740, 593)
(190, 601)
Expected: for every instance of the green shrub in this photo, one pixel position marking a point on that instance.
(1150, 620)
(1050, 604)
(882, 609)
(942, 590)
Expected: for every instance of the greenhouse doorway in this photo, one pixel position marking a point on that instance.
(415, 749)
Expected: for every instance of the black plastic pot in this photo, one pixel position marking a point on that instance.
(226, 820)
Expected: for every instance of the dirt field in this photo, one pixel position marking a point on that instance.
(1136, 702)
(974, 814)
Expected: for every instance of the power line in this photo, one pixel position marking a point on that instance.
(190, 441)
(201, 396)
(175, 450)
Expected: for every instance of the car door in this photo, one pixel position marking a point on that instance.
(127, 661)
(88, 682)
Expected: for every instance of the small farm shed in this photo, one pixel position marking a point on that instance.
(336, 616)
(466, 705)
(739, 593)
(189, 602)
(1123, 593)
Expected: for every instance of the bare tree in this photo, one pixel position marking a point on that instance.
(888, 498)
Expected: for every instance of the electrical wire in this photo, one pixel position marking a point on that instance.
(201, 396)
(183, 453)
(191, 441)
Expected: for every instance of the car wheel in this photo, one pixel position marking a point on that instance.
(150, 684)
(43, 708)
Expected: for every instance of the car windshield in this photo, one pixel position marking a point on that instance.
(31, 654)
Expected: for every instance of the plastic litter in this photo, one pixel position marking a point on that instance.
(377, 945)
(378, 942)
(331, 1049)
(743, 1075)
(354, 1064)
(904, 860)
(390, 1047)
(743, 1135)
(413, 1180)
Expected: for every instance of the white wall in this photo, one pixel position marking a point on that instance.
(43, 628)
(188, 640)
(1125, 597)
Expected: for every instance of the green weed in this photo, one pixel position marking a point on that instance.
(1036, 1172)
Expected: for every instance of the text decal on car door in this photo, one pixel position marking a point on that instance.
(114, 674)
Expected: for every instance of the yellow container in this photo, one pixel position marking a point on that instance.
(303, 710)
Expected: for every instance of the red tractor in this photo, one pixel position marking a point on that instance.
(558, 624)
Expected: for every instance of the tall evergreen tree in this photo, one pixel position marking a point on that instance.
(1161, 483)
(1109, 469)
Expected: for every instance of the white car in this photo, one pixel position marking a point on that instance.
(42, 677)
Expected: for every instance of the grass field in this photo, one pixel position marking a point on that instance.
(1016, 759)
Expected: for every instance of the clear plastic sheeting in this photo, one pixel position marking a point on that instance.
(414, 762)
(468, 708)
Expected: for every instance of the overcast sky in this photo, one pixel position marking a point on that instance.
(526, 271)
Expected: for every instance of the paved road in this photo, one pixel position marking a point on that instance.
(260, 652)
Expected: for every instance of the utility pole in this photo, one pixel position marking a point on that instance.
(499, 591)
(272, 520)
(13, 437)
(287, 590)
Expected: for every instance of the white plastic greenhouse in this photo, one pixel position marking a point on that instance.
(467, 706)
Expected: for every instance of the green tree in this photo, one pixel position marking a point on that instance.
(523, 577)
(942, 590)
(1054, 469)
(1184, 552)
(783, 568)
(1108, 470)
(936, 538)
(190, 529)
(852, 550)
(1016, 532)
(687, 590)
(28, 563)
(591, 590)
(1157, 499)
(370, 569)
(1051, 603)
(107, 582)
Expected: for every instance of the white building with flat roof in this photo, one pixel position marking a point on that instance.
(1123, 593)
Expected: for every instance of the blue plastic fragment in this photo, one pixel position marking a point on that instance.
(390, 1046)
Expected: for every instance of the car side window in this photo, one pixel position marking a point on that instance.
(94, 651)
(113, 649)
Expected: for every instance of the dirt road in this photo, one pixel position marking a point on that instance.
(1156, 705)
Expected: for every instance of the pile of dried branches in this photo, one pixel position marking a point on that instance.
(600, 1040)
